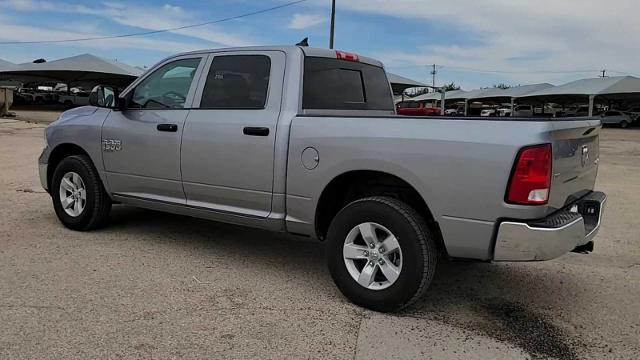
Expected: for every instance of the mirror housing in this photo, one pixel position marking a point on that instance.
(104, 96)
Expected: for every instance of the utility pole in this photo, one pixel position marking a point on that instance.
(604, 72)
(433, 76)
(333, 22)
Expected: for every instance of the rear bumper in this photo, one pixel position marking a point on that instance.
(553, 236)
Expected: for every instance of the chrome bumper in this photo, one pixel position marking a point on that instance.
(553, 236)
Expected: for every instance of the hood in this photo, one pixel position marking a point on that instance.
(76, 112)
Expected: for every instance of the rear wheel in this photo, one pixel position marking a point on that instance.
(380, 253)
(79, 199)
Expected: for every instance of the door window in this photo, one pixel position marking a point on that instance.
(237, 82)
(167, 87)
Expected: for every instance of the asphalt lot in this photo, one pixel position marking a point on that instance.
(153, 285)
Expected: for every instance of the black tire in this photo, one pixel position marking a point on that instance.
(624, 124)
(417, 242)
(98, 204)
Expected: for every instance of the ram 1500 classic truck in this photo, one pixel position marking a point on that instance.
(306, 141)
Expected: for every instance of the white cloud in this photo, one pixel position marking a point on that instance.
(524, 36)
(12, 32)
(303, 21)
(144, 17)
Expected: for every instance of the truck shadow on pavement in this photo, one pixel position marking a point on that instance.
(502, 301)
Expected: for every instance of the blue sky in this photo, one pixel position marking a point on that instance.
(474, 43)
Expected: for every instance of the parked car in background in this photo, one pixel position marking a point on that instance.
(488, 112)
(504, 111)
(523, 111)
(454, 111)
(34, 96)
(416, 108)
(634, 113)
(307, 141)
(582, 110)
(615, 117)
(80, 98)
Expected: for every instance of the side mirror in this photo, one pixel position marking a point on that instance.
(104, 96)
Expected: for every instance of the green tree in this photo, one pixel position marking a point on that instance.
(502, 86)
(450, 87)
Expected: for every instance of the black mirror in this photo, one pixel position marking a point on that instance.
(104, 96)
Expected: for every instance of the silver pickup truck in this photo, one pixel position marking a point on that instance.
(306, 141)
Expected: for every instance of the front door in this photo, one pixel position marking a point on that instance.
(229, 136)
(141, 144)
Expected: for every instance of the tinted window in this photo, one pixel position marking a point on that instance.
(237, 82)
(344, 85)
(167, 87)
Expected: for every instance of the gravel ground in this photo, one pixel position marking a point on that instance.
(154, 285)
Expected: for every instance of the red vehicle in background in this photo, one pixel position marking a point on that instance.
(415, 108)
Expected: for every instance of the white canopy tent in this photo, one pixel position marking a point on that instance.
(6, 65)
(400, 83)
(587, 89)
(85, 69)
(512, 92)
(499, 96)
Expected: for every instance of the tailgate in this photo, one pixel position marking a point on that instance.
(575, 160)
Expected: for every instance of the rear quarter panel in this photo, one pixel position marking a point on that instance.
(460, 167)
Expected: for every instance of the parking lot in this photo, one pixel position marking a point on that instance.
(154, 285)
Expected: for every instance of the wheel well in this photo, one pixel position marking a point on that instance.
(57, 154)
(359, 184)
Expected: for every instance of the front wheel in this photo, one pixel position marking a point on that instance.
(79, 199)
(624, 124)
(380, 253)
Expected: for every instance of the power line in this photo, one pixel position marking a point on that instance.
(144, 33)
(460, 68)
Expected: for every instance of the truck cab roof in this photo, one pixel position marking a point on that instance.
(288, 49)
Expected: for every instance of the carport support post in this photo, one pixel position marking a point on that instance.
(442, 99)
(466, 106)
(5, 106)
(513, 103)
(591, 101)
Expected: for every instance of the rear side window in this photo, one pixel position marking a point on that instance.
(237, 82)
(344, 85)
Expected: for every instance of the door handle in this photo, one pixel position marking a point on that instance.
(256, 131)
(167, 127)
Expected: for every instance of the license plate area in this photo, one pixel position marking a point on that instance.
(590, 210)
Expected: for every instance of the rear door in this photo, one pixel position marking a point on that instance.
(229, 136)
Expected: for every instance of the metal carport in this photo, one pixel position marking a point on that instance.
(501, 96)
(79, 70)
(615, 88)
(400, 83)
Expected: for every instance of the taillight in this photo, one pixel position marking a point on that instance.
(343, 55)
(531, 178)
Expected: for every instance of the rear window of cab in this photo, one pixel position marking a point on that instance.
(344, 85)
